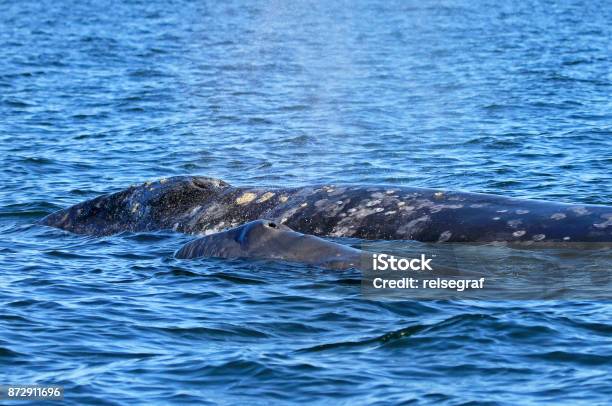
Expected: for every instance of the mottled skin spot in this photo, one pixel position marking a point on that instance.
(413, 227)
(514, 223)
(603, 224)
(196, 205)
(445, 236)
(265, 197)
(581, 211)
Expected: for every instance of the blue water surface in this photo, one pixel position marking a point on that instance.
(511, 98)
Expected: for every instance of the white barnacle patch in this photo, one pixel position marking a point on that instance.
(390, 212)
(265, 196)
(283, 199)
(439, 207)
(522, 211)
(339, 202)
(352, 210)
(390, 191)
(566, 238)
(519, 233)
(377, 195)
(342, 231)
(378, 209)
(580, 211)
(247, 197)
(445, 236)
(163, 180)
(373, 203)
(558, 216)
(135, 207)
(303, 204)
(329, 188)
(439, 195)
(514, 223)
(538, 237)
(400, 204)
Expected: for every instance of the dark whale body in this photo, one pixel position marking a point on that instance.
(198, 205)
(265, 239)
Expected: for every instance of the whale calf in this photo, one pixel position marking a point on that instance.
(265, 239)
(200, 205)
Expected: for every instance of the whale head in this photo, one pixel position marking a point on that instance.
(267, 239)
(259, 238)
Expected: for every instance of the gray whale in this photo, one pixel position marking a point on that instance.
(198, 205)
(265, 239)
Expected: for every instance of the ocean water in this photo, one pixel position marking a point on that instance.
(480, 96)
